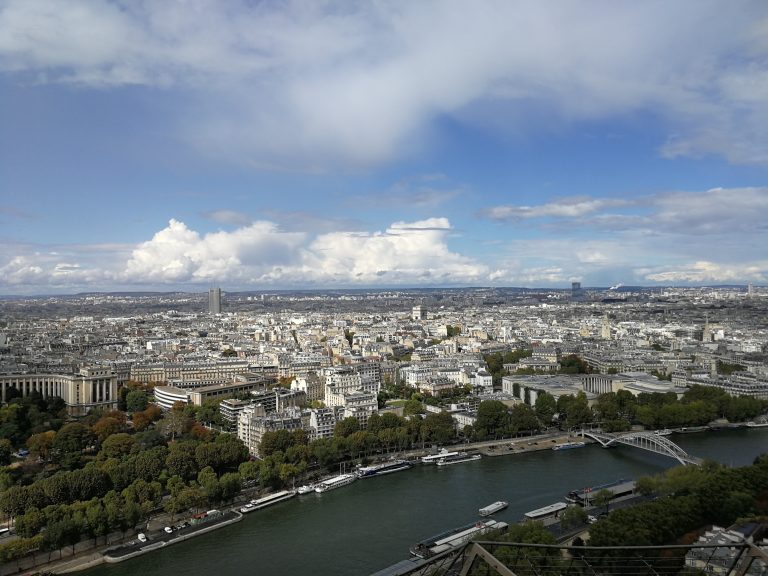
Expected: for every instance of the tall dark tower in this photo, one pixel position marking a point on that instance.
(577, 294)
(214, 301)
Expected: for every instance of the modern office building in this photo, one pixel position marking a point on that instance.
(214, 301)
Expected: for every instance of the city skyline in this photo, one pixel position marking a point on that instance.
(292, 146)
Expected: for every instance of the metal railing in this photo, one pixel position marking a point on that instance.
(488, 558)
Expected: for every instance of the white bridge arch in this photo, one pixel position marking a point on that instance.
(645, 441)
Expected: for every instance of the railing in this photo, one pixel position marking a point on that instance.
(486, 558)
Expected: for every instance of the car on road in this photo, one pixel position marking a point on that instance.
(168, 529)
(142, 537)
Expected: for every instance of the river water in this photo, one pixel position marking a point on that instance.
(364, 527)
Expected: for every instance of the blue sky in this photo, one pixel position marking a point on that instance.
(266, 145)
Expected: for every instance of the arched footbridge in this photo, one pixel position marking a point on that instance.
(649, 441)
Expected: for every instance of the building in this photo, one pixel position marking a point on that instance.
(360, 405)
(322, 422)
(214, 301)
(230, 409)
(577, 293)
(167, 396)
(190, 374)
(419, 313)
(91, 387)
(726, 558)
(253, 422)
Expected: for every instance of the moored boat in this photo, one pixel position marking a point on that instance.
(305, 489)
(493, 508)
(382, 468)
(454, 538)
(757, 424)
(270, 499)
(458, 459)
(434, 458)
(568, 445)
(335, 482)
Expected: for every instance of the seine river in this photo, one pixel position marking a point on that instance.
(364, 527)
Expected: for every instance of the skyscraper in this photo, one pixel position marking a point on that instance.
(577, 294)
(214, 301)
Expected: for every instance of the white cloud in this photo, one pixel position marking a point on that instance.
(178, 254)
(406, 253)
(303, 84)
(703, 272)
(230, 217)
(573, 207)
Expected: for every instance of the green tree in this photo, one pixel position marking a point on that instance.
(346, 427)
(30, 523)
(208, 481)
(546, 407)
(412, 407)
(97, 519)
(438, 428)
(136, 401)
(70, 442)
(523, 418)
(118, 446)
(572, 517)
(6, 449)
(181, 460)
(603, 498)
(493, 419)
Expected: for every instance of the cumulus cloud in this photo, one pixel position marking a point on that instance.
(308, 84)
(414, 252)
(178, 254)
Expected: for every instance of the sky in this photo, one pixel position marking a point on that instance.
(262, 145)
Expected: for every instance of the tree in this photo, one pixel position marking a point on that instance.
(97, 520)
(209, 413)
(208, 481)
(181, 460)
(545, 406)
(438, 428)
(40, 444)
(29, 523)
(6, 449)
(118, 446)
(230, 485)
(578, 412)
(493, 418)
(346, 427)
(603, 498)
(413, 406)
(176, 422)
(523, 417)
(136, 401)
(573, 516)
(70, 442)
